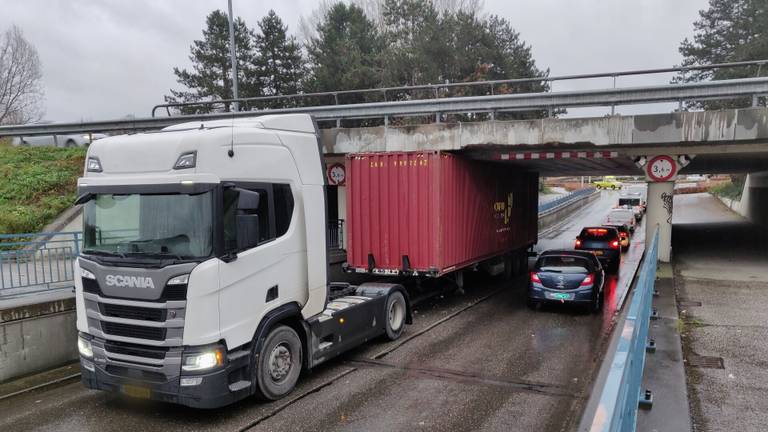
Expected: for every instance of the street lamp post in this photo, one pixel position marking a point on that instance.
(232, 55)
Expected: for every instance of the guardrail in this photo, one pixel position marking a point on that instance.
(454, 103)
(436, 91)
(37, 262)
(622, 392)
(564, 199)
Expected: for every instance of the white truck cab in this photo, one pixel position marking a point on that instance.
(204, 270)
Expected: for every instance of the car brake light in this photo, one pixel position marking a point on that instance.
(615, 244)
(587, 280)
(535, 277)
(597, 231)
(578, 243)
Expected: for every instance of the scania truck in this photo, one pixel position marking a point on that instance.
(203, 277)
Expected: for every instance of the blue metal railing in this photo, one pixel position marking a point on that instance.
(622, 391)
(36, 262)
(557, 202)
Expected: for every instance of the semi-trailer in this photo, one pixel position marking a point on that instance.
(204, 272)
(432, 213)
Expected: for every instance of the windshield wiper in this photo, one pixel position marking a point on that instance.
(103, 253)
(161, 255)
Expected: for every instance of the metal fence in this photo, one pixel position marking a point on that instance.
(564, 199)
(622, 392)
(336, 234)
(36, 262)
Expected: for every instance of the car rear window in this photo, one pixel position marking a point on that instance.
(597, 234)
(629, 201)
(565, 264)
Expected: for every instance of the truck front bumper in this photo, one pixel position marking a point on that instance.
(212, 391)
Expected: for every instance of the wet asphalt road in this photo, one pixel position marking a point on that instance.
(474, 361)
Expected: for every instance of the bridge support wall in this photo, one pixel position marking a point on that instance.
(754, 200)
(659, 214)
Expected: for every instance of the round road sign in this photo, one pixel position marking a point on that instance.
(337, 175)
(661, 168)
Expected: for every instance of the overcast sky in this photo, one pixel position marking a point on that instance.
(110, 58)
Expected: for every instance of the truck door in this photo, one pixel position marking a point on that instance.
(265, 274)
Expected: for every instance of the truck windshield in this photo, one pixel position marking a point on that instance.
(175, 225)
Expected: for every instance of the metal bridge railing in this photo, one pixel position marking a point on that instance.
(37, 262)
(436, 91)
(439, 104)
(622, 392)
(564, 199)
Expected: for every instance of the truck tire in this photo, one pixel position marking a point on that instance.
(278, 364)
(396, 312)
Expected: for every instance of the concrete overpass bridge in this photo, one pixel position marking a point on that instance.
(722, 141)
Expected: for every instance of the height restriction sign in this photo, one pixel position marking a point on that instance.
(661, 168)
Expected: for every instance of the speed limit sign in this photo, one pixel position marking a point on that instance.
(661, 168)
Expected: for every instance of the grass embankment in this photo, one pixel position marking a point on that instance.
(37, 184)
(727, 190)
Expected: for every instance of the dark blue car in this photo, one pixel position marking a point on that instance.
(567, 276)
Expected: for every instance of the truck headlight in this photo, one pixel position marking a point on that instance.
(85, 347)
(210, 358)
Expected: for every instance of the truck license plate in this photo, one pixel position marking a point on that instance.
(136, 391)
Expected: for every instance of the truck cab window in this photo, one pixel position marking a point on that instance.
(283, 207)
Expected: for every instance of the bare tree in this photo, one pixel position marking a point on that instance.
(21, 91)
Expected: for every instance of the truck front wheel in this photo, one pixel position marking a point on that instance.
(278, 365)
(396, 312)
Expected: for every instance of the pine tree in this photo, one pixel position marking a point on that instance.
(210, 77)
(345, 54)
(278, 64)
(728, 31)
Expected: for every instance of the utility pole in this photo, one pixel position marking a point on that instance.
(232, 55)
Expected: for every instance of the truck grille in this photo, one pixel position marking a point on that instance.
(133, 331)
(132, 312)
(170, 292)
(136, 373)
(175, 292)
(136, 350)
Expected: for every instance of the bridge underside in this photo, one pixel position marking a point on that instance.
(618, 161)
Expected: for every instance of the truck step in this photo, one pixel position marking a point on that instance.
(240, 385)
(324, 345)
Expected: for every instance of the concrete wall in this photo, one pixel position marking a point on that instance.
(755, 198)
(37, 337)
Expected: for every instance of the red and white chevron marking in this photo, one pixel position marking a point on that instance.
(557, 155)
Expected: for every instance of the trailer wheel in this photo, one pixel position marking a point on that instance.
(396, 312)
(279, 363)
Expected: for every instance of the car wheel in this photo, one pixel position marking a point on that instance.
(396, 311)
(278, 364)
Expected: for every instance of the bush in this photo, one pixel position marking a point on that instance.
(38, 184)
(727, 190)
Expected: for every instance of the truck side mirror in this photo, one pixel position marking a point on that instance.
(247, 231)
(247, 201)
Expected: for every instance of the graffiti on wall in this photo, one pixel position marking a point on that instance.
(666, 198)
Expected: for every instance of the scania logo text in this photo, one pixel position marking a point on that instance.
(130, 281)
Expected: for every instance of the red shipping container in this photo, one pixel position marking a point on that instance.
(434, 212)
